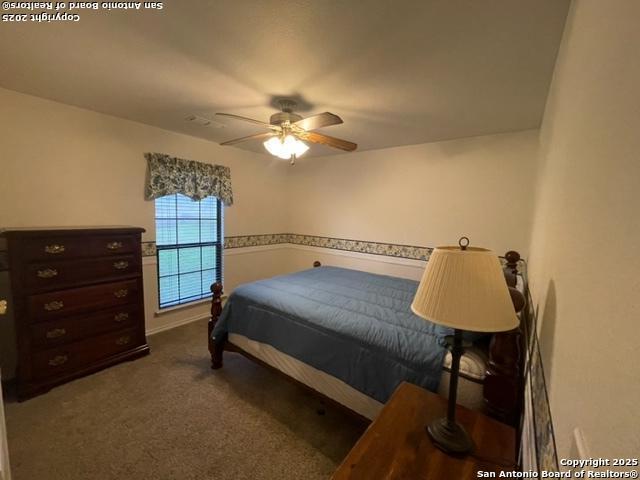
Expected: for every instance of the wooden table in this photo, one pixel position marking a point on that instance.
(397, 446)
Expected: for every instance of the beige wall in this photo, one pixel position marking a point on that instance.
(301, 257)
(62, 165)
(86, 168)
(425, 195)
(584, 270)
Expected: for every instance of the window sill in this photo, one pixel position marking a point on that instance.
(162, 311)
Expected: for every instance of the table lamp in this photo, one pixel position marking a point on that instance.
(463, 288)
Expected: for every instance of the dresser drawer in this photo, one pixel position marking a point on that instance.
(57, 274)
(82, 354)
(61, 247)
(78, 297)
(57, 332)
(45, 306)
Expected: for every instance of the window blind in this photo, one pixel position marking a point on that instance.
(189, 248)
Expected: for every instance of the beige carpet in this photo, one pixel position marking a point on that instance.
(168, 416)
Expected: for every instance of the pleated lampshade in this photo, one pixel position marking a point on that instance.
(465, 289)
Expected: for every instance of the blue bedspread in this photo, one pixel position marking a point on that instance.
(353, 325)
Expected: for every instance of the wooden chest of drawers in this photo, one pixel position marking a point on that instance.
(78, 302)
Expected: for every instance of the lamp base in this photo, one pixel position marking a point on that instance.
(450, 437)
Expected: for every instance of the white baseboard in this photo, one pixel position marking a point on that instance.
(176, 323)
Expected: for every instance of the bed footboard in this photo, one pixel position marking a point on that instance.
(215, 347)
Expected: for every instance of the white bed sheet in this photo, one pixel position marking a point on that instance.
(469, 392)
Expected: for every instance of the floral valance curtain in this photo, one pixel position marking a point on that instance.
(167, 175)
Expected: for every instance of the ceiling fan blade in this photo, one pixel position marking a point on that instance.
(248, 137)
(318, 121)
(327, 140)
(250, 120)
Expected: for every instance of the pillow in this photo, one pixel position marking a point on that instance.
(473, 363)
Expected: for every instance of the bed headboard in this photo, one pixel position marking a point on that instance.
(503, 381)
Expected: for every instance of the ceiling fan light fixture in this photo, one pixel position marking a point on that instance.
(286, 129)
(285, 148)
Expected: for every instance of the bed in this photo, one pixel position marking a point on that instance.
(351, 337)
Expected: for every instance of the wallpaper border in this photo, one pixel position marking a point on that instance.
(412, 252)
(544, 442)
(546, 452)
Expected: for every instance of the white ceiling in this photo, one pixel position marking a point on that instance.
(397, 72)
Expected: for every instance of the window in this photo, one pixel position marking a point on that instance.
(189, 246)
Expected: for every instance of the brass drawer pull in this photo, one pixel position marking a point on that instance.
(56, 333)
(114, 245)
(121, 265)
(121, 293)
(54, 249)
(123, 340)
(58, 360)
(53, 306)
(121, 317)
(47, 273)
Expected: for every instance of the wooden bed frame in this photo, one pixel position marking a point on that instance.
(503, 381)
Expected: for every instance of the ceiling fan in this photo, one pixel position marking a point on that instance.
(287, 130)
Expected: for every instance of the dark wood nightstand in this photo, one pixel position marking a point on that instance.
(397, 446)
